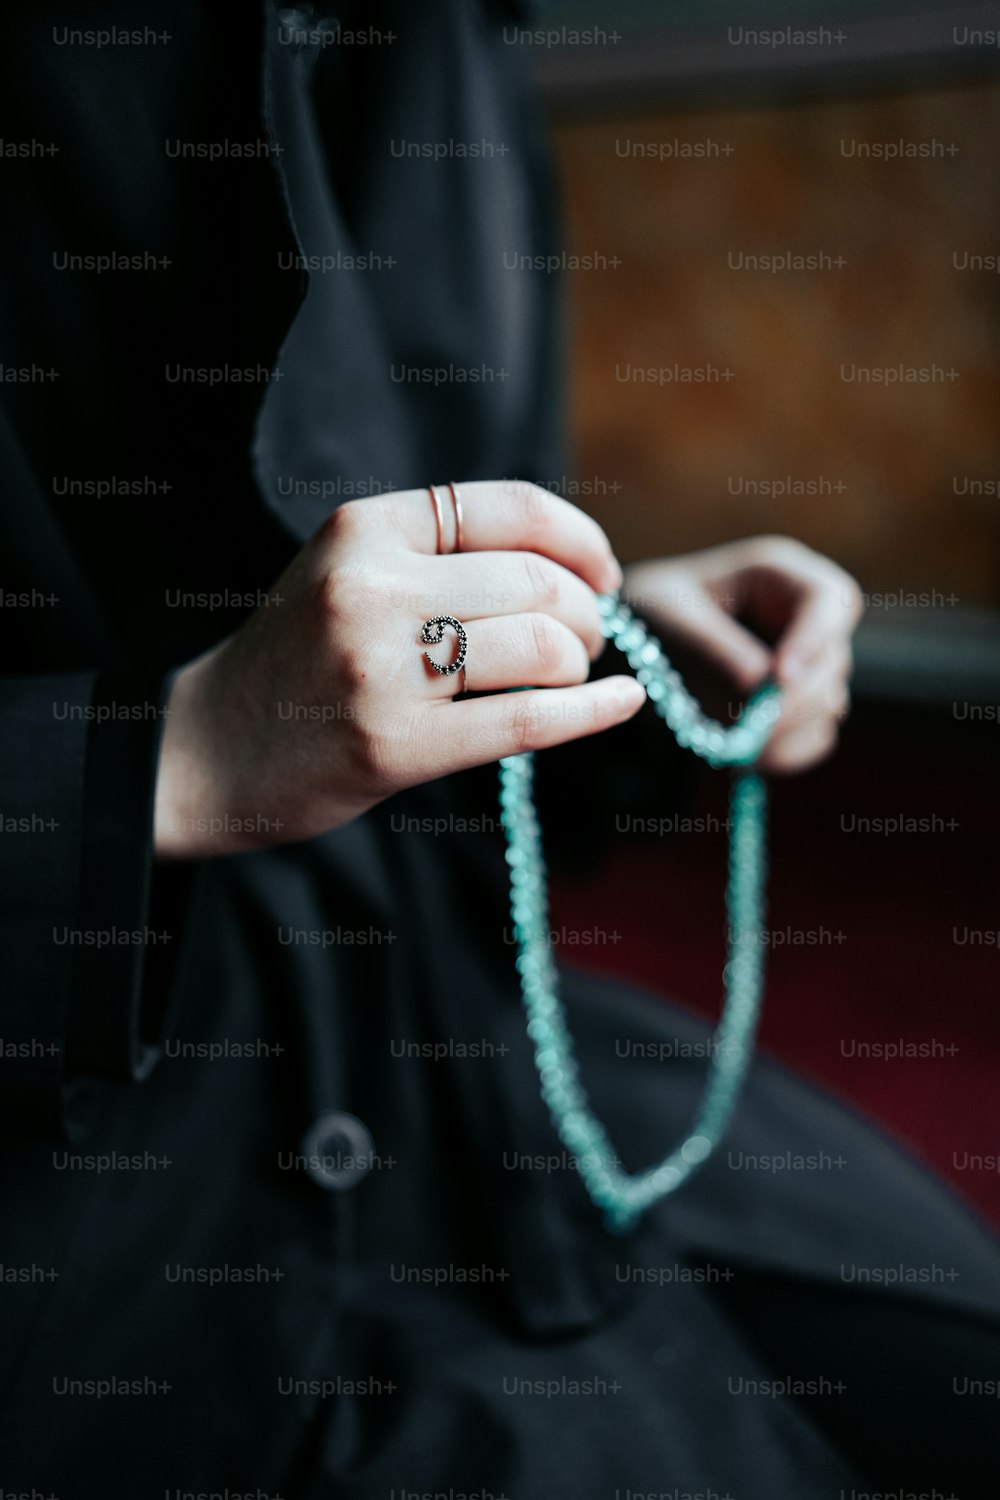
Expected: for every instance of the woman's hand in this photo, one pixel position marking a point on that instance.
(802, 602)
(322, 703)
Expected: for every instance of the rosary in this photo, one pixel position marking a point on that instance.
(621, 1196)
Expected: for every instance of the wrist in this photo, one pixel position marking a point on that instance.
(183, 807)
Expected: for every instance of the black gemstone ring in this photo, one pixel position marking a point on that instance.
(433, 632)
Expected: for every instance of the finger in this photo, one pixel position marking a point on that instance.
(806, 747)
(812, 712)
(508, 583)
(508, 515)
(822, 691)
(479, 730)
(828, 610)
(517, 649)
(691, 615)
(816, 716)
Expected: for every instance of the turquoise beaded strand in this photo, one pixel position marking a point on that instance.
(621, 1196)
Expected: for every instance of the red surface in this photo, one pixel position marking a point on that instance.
(898, 975)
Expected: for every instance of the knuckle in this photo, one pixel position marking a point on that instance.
(772, 542)
(546, 643)
(532, 504)
(341, 524)
(778, 550)
(333, 597)
(372, 753)
(353, 667)
(327, 597)
(543, 578)
(523, 725)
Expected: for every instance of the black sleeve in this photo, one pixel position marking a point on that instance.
(86, 955)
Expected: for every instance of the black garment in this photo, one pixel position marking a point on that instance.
(167, 1215)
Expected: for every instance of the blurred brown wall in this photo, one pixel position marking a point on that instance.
(888, 460)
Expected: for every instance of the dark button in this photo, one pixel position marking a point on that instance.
(338, 1151)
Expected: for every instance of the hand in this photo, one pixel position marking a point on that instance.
(802, 602)
(322, 703)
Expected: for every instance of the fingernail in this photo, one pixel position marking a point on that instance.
(628, 693)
